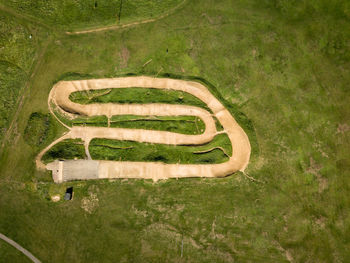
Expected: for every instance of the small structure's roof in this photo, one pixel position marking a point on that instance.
(67, 196)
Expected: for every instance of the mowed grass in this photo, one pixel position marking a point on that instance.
(284, 65)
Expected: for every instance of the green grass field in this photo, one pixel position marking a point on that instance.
(16, 57)
(69, 14)
(281, 67)
(10, 254)
(65, 150)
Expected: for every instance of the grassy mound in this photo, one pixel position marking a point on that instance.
(39, 130)
(103, 149)
(65, 150)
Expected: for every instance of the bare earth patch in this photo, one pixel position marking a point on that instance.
(55, 198)
(314, 169)
(124, 57)
(343, 128)
(90, 203)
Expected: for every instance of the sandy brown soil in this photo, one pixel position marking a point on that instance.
(59, 96)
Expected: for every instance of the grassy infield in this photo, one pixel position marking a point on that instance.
(285, 64)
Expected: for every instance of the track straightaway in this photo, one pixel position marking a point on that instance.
(59, 97)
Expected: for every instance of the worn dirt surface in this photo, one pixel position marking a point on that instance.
(59, 97)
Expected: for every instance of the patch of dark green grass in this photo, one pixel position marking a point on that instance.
(39, 130)
(65, 150)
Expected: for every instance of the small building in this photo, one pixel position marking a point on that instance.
(69, 194)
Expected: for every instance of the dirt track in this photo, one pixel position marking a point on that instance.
(59, 96)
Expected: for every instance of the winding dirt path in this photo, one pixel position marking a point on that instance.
(18, 247)
(59, 96)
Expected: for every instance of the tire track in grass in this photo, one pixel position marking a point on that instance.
(118, 26)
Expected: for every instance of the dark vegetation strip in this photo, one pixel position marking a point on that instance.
(40, 130)
(65, 150)
(104, 149)
(120, 10)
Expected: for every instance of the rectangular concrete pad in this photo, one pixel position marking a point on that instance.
(80, 170)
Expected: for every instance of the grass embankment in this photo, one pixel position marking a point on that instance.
(103, 149)
(66, 150)
(82, 13)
